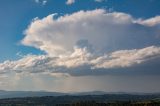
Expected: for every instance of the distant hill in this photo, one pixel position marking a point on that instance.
(14, 94)
(100, 94)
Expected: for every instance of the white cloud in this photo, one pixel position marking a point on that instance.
(58, 36)
(43, 2)
(127, 58)
(37, 1)
(100, 1)
(80, 61)
(151, 22)
(69, 2)
(89, 43)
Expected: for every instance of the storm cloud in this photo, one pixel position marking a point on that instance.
(93, 42)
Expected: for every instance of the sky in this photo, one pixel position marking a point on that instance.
(80, 45)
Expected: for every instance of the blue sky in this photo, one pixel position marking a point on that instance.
(103, 41)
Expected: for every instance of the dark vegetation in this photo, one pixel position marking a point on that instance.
(85, 100)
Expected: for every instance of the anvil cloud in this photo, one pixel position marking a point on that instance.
(93, 42)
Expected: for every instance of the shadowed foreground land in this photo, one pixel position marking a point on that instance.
(85, 100)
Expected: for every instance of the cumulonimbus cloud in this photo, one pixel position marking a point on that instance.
(90, 43)
(106, 32)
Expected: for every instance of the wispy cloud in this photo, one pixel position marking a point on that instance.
(100, 1)
(69, 2)
(42, 2)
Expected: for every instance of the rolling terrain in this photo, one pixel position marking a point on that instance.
(95, 98)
